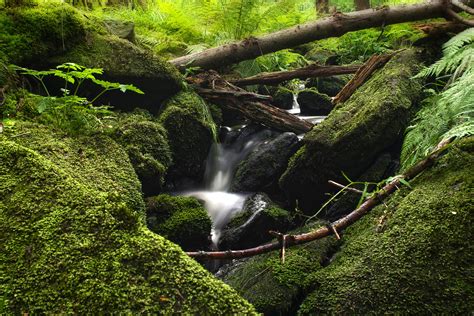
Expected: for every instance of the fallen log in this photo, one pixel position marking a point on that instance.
(311, 71)
(363, 73)
(337, 226)
(252, 106)
(436, 29)
(334, 26)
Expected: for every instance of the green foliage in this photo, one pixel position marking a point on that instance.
(448, 113)
(70, 111)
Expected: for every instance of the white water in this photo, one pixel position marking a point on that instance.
(221, 164)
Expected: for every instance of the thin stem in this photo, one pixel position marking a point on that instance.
(40, 79)
(100, 94)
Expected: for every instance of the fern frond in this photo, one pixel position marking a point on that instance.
(458, 41)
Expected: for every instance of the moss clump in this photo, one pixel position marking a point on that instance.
(73, 239)
(273, 287)
(354, 133)
(180, 219)
(146, 142)
(413, 256)
(313, 102)
(191, 132)
(122, 61)
(30, 35)
(283, 98)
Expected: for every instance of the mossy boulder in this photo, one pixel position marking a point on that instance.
(191, 132)
(354, 133)
(182, 220)
(29, 34)
(249, 227)
(313, 102)
(275, 288)
(73, 237)
(146, 143)
(124, 62)
(283, 98)
(413, 255)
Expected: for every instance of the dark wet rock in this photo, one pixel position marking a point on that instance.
(313, 102)
(250, 227)
(328, 85)
(381, 169)
(263, 167)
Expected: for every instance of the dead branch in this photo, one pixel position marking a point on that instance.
(375, 62)
(440, 28)
(311, 71)
(254, 107)
(376, 199)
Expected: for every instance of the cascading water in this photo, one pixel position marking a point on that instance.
(221, 164)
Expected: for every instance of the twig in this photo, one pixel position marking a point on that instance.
(339, 225)
(462, 6)
(344, 187)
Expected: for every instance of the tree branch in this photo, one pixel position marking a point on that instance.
(311, 71)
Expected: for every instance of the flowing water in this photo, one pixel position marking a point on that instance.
(221, 164)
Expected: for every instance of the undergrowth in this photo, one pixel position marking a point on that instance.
(448, 113)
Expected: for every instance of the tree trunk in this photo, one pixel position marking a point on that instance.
(334, 26)
(311, 71)
(361, 4)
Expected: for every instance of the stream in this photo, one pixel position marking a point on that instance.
(222, 162)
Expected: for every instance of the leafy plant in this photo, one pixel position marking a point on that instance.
(449, 113)
(71, 111)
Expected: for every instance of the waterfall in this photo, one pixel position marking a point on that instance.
(222, 162)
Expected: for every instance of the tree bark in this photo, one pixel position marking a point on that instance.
(339, 225)
(441, 28)
(311, 71)
(255, 107)
(363, 73)
(333, 26)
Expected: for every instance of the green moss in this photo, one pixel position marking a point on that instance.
(180, 219)
(273, 287)
(191, 132)
(413, 256)
(355, 132)
(31, 34)
(146, 142)
(72, 238)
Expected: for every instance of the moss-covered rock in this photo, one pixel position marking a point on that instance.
(124, 62)
(31, 34)
(261, 169)
(328, 85)
(354, 133)
(412, 256)
(146, 142)
(182, 220)
(283, 98)
(275, 288)
(191, 132)
(73, 237)
(313, 102)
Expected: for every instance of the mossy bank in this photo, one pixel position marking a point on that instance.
(73, 236)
